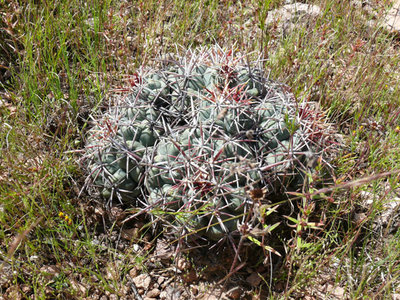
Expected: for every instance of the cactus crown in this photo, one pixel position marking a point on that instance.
(195, 138)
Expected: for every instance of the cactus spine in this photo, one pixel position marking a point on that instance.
(194, 137)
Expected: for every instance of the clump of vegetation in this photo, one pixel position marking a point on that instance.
(200, 135)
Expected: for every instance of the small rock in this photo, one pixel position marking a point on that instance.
(368, 197)
(167, 282)
(133, 272)
(124, 290)
(48, 291)
(171, 293)
(254, 280)
(6, 274)
(209, 297)
(112, 271)
(359, 217)
(163, 250)
(163, 295)
(336, 292)
(195, 290)
(99, 211)
(26, 288)
(50, 270)
(280, 286)
(130, 234)
(13, 293)
(117, 214)
(142, 281)
(392, 19)
(182, 264)
(389, 209)
(154, 293)
(160, 279)
(190, 276)
(80, 288)
(291, 15)
(235, 293)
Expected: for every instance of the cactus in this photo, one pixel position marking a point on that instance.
(194, 137)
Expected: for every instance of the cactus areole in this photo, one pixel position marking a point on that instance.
(194, 138)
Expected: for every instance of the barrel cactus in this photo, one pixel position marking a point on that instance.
(194, 137)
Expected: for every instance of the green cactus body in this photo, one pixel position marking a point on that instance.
(192, 138)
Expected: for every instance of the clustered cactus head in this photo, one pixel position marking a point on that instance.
(194, 137)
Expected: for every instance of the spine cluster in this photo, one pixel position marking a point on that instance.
(194, 137)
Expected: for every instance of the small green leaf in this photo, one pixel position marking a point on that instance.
(268, 248)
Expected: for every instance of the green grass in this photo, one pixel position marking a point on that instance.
(66, 57)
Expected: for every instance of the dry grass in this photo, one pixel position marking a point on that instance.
(60, 59)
